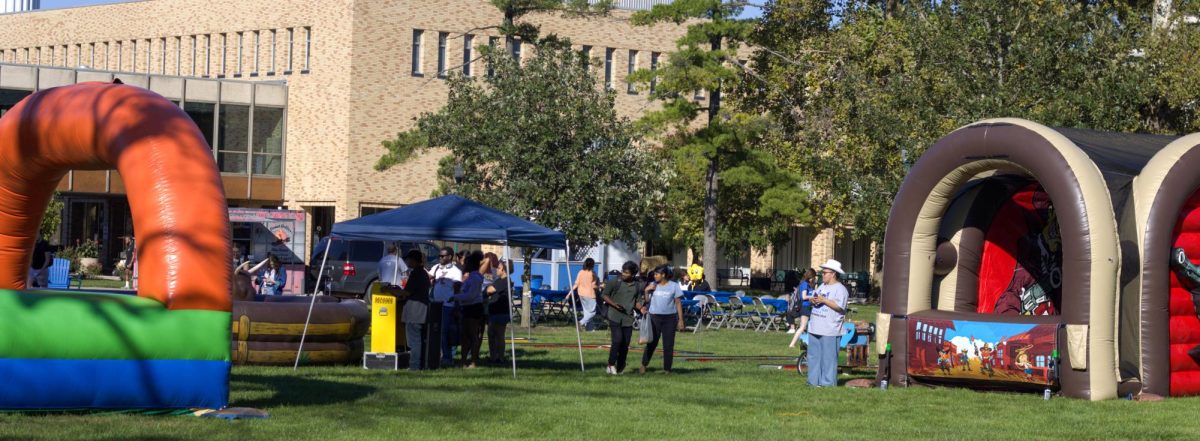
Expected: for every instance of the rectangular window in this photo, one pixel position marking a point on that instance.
(631, 88)
(291, 50)
(162, 65)
(267, 141)
(587, 58)
(207, 55)
(120, 55)
(608, 67)
(653, 68)
(204, 115)
(179, 56)
(468, 54)
(224, 53)
(10, 98)
(307, 48)
(418, 35)
(441, 57)
(516, 49)
(238, 71)
(272, 70)
(195, 43)
(492, 43)
(254, 73)
(92, 56)
(233, 135)
(149, 54)
(134, 56)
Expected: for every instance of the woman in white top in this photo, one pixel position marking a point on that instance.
(666, 316)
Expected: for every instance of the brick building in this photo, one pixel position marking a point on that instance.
(295, 96)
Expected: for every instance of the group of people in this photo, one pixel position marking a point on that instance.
(822, 312)
(449, 307)
(265, 278)
(654, 295)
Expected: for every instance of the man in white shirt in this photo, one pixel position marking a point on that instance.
(825, 326)
(391, 268)
(447, 281)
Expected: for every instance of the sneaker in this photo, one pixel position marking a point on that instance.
(791, 331)
(642, 370)
(611, 370)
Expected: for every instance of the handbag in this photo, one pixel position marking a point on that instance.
(644, 329)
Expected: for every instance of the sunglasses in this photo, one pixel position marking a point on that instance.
(443, 255)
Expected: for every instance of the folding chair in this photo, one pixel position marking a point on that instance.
(766, 318)
(717, 314)
(740, 315)
(698, 311)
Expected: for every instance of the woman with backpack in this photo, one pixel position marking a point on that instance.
(800, 304)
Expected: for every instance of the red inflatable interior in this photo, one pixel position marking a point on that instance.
(1014, 252)
(1184, 325)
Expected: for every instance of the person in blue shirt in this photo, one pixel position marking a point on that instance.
(272, 279)
(800, 304)
(666, 316)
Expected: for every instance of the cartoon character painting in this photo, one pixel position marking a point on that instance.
(943, 360)
(987, 359)
(965, 360)
(1023, 361)
(1036, 285)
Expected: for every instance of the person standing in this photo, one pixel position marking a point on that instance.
(416, 310)
(665, 300)
(800, 305)
(695, 274)
(499, 313)
(825, 328)
(470, 304)
(391, 267)
(447, 281)
(585, 287)
(621, 295)
(273, 278)
(39, 266)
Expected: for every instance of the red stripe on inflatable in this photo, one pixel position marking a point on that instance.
(998, 262)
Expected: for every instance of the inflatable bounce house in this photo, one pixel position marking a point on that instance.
(267, 331)
(1023, 257)
(168, 347)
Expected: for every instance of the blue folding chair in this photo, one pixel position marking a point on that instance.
(60, 275)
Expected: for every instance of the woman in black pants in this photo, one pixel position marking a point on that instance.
(666, 316)
(622, 297)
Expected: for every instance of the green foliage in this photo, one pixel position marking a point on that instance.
(854, 101)
(515, 10)
(541, 140)
(52, 219)
(756, 201)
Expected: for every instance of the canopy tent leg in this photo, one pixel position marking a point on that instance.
(313, 301)
(512, 334)
(571, 284)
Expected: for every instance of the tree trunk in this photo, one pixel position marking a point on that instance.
(710, 192)
(527, 287)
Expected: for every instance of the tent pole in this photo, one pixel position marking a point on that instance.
(313, 301)
(578, 339)
(512, 334)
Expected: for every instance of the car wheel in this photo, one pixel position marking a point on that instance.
(366, 297)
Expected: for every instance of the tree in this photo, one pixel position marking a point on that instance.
(543, 141)
(52, 219)
(855, 99)
(759, 201)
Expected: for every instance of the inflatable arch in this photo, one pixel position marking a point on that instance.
(166, 348)
(1004, 257)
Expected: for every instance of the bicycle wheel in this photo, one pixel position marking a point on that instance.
(801, 362)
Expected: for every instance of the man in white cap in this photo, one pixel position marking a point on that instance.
(825, 326)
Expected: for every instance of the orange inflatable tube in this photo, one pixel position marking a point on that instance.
(175, 194)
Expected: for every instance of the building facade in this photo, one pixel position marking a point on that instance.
(338, 77)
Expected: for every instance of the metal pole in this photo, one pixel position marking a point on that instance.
(320, 272)
(512, 334)
(578, 339)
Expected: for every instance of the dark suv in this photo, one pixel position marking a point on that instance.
(365, 256)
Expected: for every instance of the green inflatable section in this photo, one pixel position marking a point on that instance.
(74, 325)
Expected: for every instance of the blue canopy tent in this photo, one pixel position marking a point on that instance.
(454, 219)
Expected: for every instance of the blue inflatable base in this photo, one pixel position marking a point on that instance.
(113, 384)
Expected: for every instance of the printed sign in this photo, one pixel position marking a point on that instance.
(982, 351)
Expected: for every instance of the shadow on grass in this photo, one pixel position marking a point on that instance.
(300, 391)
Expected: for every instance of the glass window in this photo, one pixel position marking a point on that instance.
(204, 115)
(441, 58)
(238, 71)
(365, 251)
(307, 47)
(608, 67)
(492, 42)
(631, 88)
(257, 55)
(1041, 361)
(516, 49)
(291, 48)
(233, 132)
(272, 71)
(653, 67)
(418, 35)
(468, 54)
(268, 141)
(10, 98)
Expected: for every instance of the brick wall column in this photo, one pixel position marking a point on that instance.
(762, 262)
(822, 246)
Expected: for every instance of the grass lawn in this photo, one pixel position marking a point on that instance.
(552, 399)
(102, 283)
